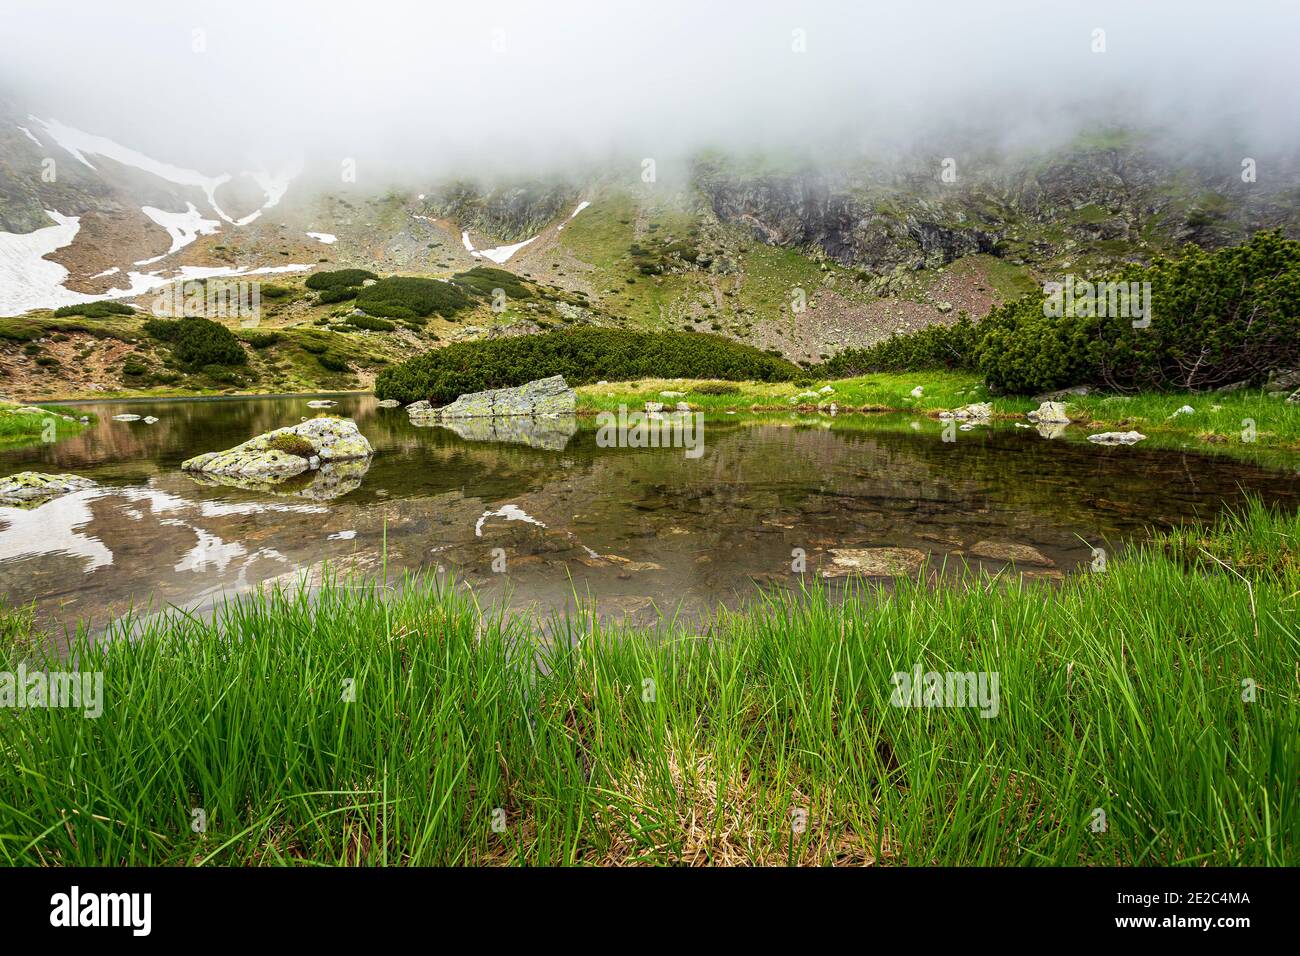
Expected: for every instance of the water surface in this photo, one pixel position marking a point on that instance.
(640, 531)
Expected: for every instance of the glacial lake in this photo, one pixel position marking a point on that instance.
(636, 532)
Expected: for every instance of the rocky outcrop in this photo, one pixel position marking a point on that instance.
(33, 487)
(510, 213)
(544, 398)
(900, 213)
(287, 452)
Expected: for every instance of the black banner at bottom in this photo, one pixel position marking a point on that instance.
(335, 906)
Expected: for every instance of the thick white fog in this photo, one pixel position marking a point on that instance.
(466, 87)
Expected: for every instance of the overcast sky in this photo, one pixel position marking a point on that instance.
(527, 86)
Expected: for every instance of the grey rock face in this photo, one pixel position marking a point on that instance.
(546, 397)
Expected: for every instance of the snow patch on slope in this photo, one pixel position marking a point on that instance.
(183, 227)
(29, 281)
(500, 255)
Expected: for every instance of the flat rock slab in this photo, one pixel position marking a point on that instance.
(28, 487)
(1117, 438)
(545, 397)
(331, 439)
(1010, 551)
(873, 562)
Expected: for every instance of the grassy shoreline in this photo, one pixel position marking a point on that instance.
(18, 428)
(765, 737)
(1218, 419)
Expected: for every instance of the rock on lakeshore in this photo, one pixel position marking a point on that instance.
(546, 397)
(1117, 438)
(1049, 413)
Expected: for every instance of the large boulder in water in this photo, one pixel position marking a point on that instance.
(32, 487)
(286, 452)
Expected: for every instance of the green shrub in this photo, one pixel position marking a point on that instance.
(47, 361)
(197, 343)
(370, 324)
(402, 297)
(333, 363)
(482, 280)
(329, 296)
(935, 347)
(338, 279)
(133, 366)
(582, 356)
(1217, 318)
(275, 291)
(716, 388)
(95, 310)
(259, 339)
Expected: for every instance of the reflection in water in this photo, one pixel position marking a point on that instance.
(640, 531)
(552, 434)
(334, 479)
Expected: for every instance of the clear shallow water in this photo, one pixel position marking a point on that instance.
(640, 531)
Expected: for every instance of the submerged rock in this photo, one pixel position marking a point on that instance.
(1010, 551)
(287, 452)
(126, 418)
(1049, 413)
(1117, 438)
(546, 397)
(322, 403)
(388, 403)
(28, 487)
(873, 562)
